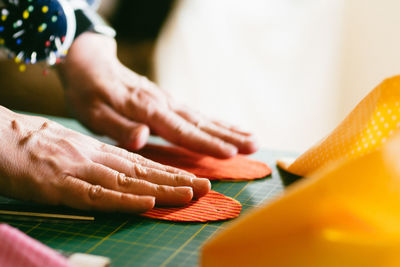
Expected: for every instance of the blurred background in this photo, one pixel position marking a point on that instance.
(287, 70)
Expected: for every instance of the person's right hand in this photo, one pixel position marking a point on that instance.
(44, 162)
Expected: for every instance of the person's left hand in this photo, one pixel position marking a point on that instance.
(113, 100)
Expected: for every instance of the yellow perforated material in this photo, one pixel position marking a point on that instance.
(374, 120)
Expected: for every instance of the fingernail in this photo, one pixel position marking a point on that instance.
(201, 187)
(138, 138)
(185, 192)
(147, 203)
(250, 146)
(228, 151)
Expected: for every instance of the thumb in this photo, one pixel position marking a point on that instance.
(137, 138)
(129, 134)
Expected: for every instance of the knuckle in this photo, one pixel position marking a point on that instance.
(51, 162)
(135, 158)
(180, 179)
(219, 143)
(149, 110)
(103, 146)
(179, 129)
(132, 100)
(146, 186)
(95, 192)
(123, 180)
(125, 154)
(139, 171)
(161, 189)
(63, 178)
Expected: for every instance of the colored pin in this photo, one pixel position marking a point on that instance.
(25, 14)
(45, 9)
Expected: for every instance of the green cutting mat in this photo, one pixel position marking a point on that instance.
(134, 241)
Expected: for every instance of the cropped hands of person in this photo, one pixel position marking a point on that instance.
(110, 99)
(44, 162)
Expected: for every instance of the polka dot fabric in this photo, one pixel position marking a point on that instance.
(212, 207)
(374, 120)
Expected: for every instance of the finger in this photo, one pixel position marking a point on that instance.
(164, 195)
(232, 128)
(129, 134)
(171, 126)
(177, 130)
(195, 117)
(245, 144)
(135, 158)
(82, 195)
(200, 186)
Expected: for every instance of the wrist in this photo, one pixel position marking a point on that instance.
(91, 41)
(89, 54)
(6, 114)
(88, 48)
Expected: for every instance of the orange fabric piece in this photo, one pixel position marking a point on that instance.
(236, 168)
(212, 207)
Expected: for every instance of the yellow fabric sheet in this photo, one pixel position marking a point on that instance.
(345, 213)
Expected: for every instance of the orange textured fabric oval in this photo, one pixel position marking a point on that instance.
(236, 168)
(212, 207)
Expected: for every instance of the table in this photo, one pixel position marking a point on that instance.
(135, 241)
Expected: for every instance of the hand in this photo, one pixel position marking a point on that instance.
(113, 100)
(44, 162)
